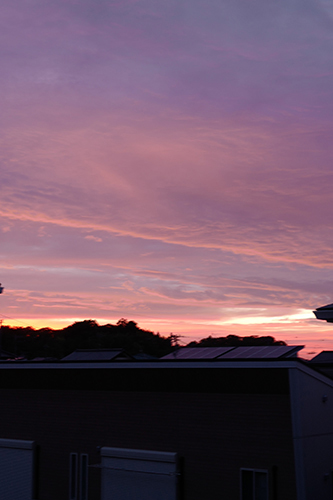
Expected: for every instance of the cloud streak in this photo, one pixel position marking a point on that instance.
(167, 162)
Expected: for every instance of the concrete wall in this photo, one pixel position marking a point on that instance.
(312, 413)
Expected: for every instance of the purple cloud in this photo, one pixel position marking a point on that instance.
(175, 157)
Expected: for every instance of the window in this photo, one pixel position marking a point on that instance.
(16, 469)
(83, 476)
(138, 474)
(78, 482)
(73, 476)
(254, 484)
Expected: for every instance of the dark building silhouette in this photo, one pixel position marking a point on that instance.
(174, 429)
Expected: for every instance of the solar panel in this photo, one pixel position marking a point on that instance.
(93, 355)
(198, 353)
(261, 352)
(244, 352)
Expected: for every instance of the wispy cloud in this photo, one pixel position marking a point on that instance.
(169, 162)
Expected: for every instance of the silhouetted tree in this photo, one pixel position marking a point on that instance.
(88, 334)
(235, 341)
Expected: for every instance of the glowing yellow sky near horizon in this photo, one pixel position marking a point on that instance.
(296, 329)
(170, 164)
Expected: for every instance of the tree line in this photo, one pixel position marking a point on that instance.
(30, 343)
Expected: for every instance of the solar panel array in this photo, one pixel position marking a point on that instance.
(249, 352)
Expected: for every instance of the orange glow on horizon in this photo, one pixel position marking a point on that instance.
(316, 336)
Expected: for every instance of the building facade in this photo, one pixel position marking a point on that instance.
(166, 430)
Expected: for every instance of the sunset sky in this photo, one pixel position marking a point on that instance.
(170, 163)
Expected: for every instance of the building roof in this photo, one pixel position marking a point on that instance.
(4, 355)
(259, 376)
(324, 313)
(97, 355)
(323, 357)
(328, 307)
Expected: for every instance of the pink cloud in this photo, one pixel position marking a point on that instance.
(93, 238)
(192, 142)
